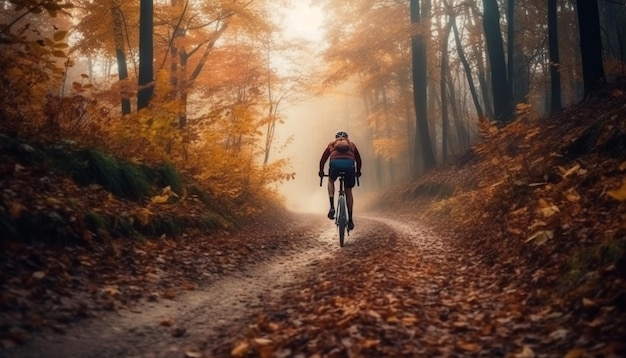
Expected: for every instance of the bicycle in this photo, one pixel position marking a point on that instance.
(341, 217)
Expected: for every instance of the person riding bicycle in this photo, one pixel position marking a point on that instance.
(343, 155)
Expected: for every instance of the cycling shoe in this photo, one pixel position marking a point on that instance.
(331, 213)
(350, 225)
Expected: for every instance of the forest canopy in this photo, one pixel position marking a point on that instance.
(204, 84)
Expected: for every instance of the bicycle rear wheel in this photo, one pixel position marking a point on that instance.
(341, 218)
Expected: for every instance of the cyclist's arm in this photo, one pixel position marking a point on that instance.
(325, 156)
(357, 159)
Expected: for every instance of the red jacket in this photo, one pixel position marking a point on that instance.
(331, 153)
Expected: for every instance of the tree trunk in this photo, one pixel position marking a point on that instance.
(510, 44)
(590, 45)
(555, 73)
(420, 86)
(502, 104)
(467, 68)
(482, 75)
(122, 69)
(442, 85)
(461, 131)
(404, 84)
(146, 54)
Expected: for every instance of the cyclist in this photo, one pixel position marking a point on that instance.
(343, 155)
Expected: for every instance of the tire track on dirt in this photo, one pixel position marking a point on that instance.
(191, 317)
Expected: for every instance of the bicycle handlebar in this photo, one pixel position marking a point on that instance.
(325, 175)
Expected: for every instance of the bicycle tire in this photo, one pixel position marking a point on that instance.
(341, 219)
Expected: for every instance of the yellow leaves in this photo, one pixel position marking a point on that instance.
(240, 349)
(164, 197)
(575, 169)
(577, 353)
(619, 193)
(572, 196)
(541, 237)
(546, 209)
(111, 291)
(142, 216)
(526, 352)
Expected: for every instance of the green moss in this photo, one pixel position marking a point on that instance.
(586, 260)
(97, 167)
(169, 176)
(133, 182)
(213, 221)
(122, 179)
(95, 221)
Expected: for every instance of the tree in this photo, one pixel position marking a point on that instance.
(555, 74)
(466, 65)
(146, 54)
(590, 45)
(120, 54)
(424, 150)
(442, 86)
(502, 103)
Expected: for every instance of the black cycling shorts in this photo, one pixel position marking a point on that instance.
(342, 165)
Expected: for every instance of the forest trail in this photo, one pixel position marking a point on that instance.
(394, 289)
(162, 327)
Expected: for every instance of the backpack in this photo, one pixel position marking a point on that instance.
(342, 145)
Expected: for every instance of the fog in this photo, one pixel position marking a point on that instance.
(313, 125)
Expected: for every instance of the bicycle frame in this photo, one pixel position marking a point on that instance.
(341, 217)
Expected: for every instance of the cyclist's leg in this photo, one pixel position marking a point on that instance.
(349, 184)
(349, 200)
(332, 176)
(331, 198)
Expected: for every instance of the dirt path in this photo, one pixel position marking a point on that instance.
(165, 327)
(395, 289)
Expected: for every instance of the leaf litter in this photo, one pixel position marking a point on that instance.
(446, 269)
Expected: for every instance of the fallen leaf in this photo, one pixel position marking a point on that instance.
(111, 291)
(167, 322)
(546, 209)
(567, 172)
(576, 353)
(541, 237)
(558, 334)
(572, 196)
(159, 199)
(468, 347)
(240, 349)
(262, 341)
(192, 353)
(618, 194)
(370, 343)
(587, 303)
(526, 352)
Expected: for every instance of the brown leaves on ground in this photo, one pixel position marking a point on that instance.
(392, 294)
(543, 200)
(44, 288)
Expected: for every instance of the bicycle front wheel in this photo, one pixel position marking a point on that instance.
(342, 220)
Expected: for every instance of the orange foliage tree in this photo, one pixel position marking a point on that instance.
(207, 112)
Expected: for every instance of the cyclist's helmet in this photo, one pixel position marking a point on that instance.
(341, 134)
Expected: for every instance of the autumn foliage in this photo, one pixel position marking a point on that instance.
(54, 90)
